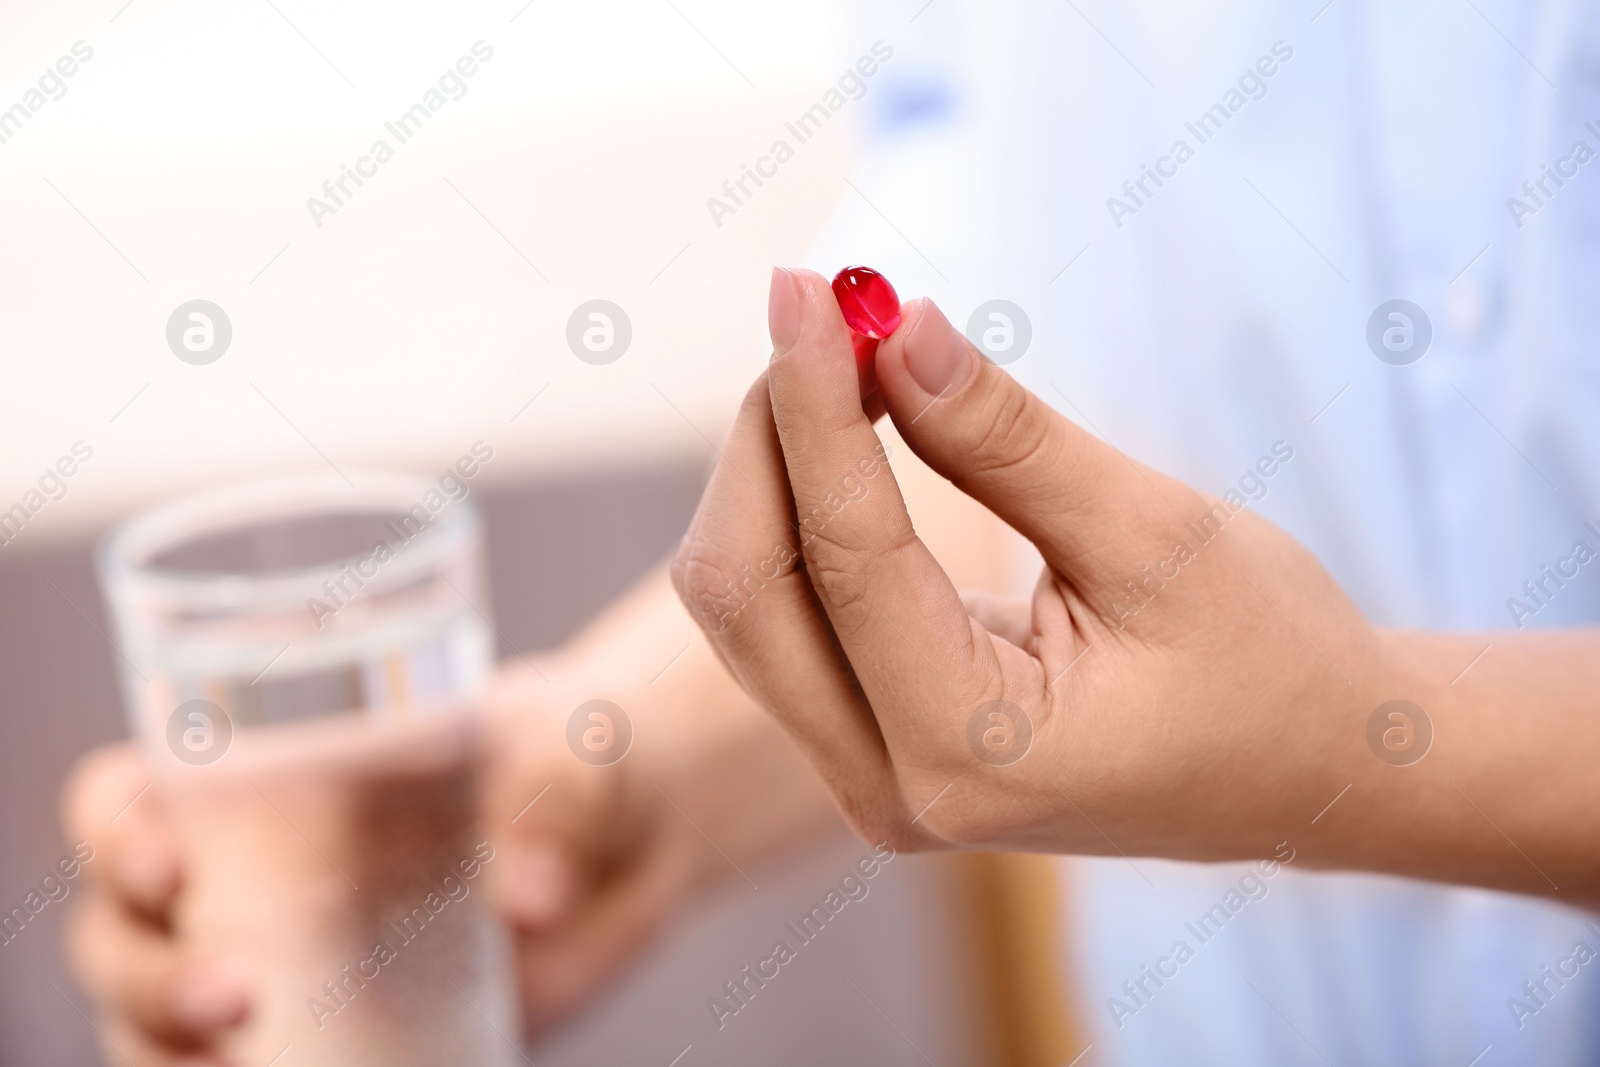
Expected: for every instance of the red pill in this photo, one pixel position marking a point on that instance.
(871, 309)
(870, 305)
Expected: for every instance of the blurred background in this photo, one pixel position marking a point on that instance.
(428, 311)
(605, 152)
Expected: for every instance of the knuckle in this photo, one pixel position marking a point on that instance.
(841, 563)
(836, 580)
(680, 570)
(700, 573)
(720, 588)
(1014, 430)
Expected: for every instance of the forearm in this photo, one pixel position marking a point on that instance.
(1506, 795)
(708, 747)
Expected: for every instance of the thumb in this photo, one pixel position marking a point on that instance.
(1094, 514)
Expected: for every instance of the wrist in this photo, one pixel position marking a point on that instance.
(1346, 761)
(1379, 774)
(729, 768)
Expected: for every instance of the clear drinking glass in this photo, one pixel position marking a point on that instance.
(299, 659)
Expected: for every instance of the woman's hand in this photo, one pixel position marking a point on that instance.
(1187, 680)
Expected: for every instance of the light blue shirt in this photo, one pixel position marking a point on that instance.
(1384, 158)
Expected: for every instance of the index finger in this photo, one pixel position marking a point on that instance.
(764, 621)
(916, 652)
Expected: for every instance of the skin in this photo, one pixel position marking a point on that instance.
(1217, 721)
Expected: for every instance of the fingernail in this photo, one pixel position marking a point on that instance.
(211, 994)
(783, 311)
(540, 884)
(936, 355)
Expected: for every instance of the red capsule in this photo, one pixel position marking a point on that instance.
(870, 305)
(871, 309)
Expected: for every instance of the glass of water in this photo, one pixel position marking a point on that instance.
(300, 660)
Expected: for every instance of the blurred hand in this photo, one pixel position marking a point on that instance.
(1187, 681)
(598, 861)
(591, 860)
(709, 788)
(159, 1005)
